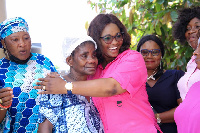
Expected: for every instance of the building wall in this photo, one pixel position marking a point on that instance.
(2, 18)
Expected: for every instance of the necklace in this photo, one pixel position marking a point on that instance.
(151, 76)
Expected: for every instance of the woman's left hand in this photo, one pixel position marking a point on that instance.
(51, 84)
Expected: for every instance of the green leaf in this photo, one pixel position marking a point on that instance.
(158, 7)
(174, 15)
(172, 65)
(160, 1)
(179, 62)
(158, 31)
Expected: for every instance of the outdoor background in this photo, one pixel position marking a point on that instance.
(51, 20)
(142, 17)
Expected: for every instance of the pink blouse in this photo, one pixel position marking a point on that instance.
(129, 112)
(187, 114)
(190, 77)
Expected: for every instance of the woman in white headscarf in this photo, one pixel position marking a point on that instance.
(69, 112)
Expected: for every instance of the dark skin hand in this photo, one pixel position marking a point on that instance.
(6, 95)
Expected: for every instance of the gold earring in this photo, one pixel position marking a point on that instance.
(6, 53)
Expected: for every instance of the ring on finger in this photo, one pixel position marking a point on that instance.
(1, 101)
(43, 88)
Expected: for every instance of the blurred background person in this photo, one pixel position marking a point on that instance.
(19, 71)
(185, 29)
(161, 84)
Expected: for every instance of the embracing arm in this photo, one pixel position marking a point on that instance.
(168, 116)
(45, 127)
(126, 73)
(103, 87)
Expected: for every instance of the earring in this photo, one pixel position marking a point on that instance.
(161, 63)
(6, 53)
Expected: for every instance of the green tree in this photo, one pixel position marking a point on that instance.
(143, 17)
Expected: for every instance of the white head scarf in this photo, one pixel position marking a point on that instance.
(70, 44)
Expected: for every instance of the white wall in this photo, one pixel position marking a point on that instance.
(2, 18)
(50, 20)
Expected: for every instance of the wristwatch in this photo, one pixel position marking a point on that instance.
(69, 87)
(158, 118)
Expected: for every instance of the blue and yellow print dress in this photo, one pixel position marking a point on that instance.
(22, 116)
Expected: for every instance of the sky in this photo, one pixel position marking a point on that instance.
(50, 21)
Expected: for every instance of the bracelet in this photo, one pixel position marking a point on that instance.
(5, 107)
(2, 108)
(158, 118)
(69, 87)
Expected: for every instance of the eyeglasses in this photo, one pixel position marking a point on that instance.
(154, 52)
(108, 38)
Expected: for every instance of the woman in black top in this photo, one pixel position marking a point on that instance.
(161, 84)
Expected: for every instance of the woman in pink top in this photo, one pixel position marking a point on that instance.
(187, 114)
(118, 87)
(185, 29)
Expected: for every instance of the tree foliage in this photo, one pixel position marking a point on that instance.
(142, 17)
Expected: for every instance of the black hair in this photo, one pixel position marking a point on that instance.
(153, 38)
(185, 15)
(97, 26)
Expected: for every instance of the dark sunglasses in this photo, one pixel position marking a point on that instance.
(108, 38)
(154, 52)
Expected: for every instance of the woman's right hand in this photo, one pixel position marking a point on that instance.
(51, 84)
(6, 95)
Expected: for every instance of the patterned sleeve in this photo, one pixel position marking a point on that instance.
(50, 107)
(50, 104)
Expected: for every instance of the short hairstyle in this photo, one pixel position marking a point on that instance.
(185, 15)
(98, 24)
(153, 38)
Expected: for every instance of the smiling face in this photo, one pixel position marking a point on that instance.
(152, 62)
(191, 32)
(84, 61)
(110, 51)
(18, 44)
(197, 57)
(197, 54)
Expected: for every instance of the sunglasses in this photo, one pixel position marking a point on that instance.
(154, 52)
(108, 38)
